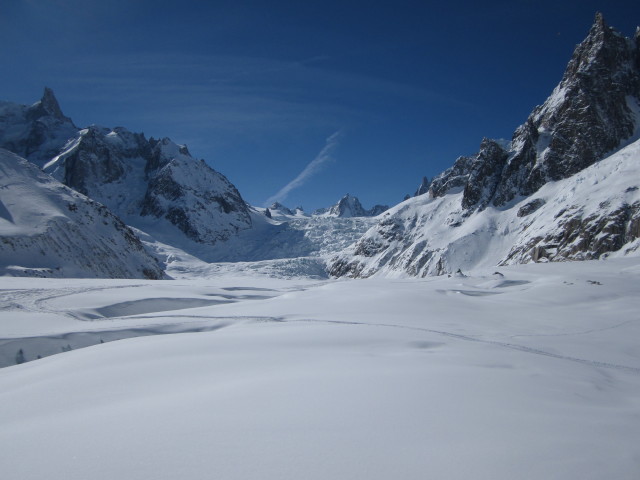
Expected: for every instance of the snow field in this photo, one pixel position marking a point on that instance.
(533, 373)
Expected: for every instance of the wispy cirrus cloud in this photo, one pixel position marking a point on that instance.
(313, 167)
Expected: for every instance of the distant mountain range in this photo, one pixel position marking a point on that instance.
(564, 188)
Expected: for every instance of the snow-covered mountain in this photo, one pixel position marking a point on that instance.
(49, 230)
(350, 206)
(545, 196)
(154, 185)
(140, 180)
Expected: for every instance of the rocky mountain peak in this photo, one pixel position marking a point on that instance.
(48, 106)
(596, 105)
(50, 103)
(604, 51)
(348, 206)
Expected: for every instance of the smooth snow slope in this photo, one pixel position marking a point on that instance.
(530, 373)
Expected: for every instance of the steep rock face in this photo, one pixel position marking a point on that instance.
(348, 206)
(49, 230)
(36, 132)
(484, 175)
(453, 178)
(594, 110)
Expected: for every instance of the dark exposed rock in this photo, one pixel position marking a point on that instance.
(377, 210)
(530, 207)
(485, 174)
(455, 177)
(578, 238)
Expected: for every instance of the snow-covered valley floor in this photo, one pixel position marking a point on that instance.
(533, 373)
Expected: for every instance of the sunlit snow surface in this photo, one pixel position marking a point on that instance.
(533, 373)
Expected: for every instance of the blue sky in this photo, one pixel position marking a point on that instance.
(337, 97)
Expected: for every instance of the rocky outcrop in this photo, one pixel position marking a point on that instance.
(589, 114)
(485, 174)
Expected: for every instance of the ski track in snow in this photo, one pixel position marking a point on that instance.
(171, 313)
(512, 346)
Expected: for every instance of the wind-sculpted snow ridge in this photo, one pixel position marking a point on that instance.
(592, 214)
(498, 206)
(49, 230)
